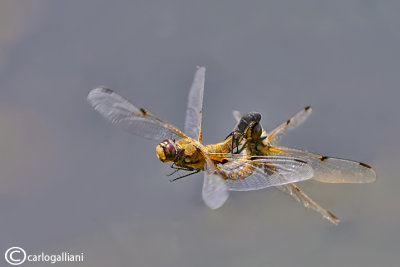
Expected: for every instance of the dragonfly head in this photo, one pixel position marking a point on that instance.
(166, 150)
(249, 125)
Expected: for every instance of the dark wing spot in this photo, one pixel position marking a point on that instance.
(322, 158)
(144, 112)
(107, 91)
(365, 165)
(301, 161)
(307, 108)
(287, 122)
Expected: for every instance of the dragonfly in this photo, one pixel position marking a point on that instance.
(185, 150)
(256, 142)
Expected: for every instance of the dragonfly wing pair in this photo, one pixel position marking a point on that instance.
(214, 192)
(141, 122)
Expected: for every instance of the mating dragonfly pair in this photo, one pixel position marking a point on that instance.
(248, 159)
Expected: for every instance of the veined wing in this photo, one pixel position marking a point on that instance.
(214, 192)
(304, 199)
(237, 116)
(195, 105)
(296, 120)
(328, 169)
(135, 120)
(260, 172)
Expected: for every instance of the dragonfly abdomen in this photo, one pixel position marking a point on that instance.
(236, 171)
(217, 152)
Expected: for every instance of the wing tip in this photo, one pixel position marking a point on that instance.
(200, 72)
(369, 173)
(332, 218)
(101, 89)
(214, 203)
(96, 91)
(372, 176)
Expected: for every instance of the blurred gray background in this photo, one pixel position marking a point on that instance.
(70, 181)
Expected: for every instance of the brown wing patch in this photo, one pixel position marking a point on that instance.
(301, 161)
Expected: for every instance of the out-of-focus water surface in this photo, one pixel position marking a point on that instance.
(70, 181)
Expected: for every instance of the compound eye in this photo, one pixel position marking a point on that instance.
(165, 142)
(256, 131)
(170, 150)
(166, 150)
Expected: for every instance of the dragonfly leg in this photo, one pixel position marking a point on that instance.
(176, 169)
(241, 149)
(183, 176)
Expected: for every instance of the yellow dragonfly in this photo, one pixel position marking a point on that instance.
(188, 153)
(256, 142)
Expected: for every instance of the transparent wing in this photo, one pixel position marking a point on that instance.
(264, 171)
(304, 199)
(328, 169)
(135, 120)
(195, 106)
(214, 192)
(237, 116)
(296, 120)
